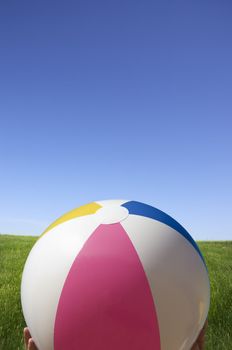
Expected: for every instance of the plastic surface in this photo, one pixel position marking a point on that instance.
(114, 278)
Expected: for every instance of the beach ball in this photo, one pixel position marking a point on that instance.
(115, 275)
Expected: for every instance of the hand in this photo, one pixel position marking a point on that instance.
(200, 342)
(28, 341)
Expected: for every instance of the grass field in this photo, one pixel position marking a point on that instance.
(13, 253)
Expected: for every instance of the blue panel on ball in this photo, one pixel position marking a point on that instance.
(146, 210)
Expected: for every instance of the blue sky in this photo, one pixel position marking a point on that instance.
(116, 99)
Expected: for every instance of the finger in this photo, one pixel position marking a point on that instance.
(204, 327)
(27, 336)
(31, 345)
(201, 337)
(195, 347)
(199, 344)
(201, 341)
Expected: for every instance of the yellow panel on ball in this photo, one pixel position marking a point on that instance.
(87, 209)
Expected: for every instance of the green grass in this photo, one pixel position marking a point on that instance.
(218, 256)
(13, 253)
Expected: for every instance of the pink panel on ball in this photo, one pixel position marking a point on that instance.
(106, 302)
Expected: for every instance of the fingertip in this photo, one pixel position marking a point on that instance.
(26, 335)
(206, 324)
(31, 345)
(25, 329)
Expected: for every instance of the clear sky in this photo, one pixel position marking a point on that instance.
(116, 99)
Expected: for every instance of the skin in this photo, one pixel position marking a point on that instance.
(198, 345)
(28, 341)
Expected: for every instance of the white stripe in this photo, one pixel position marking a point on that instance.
(178, 280)
(112, 201)
(45, 272)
